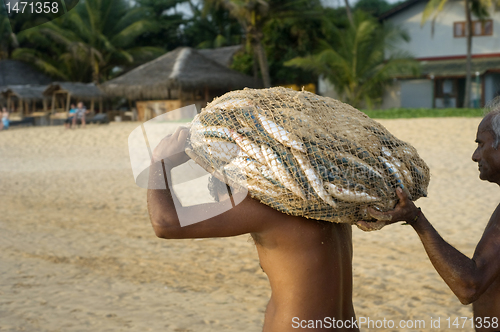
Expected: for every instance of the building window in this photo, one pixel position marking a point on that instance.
(459, 29)
(487, 28)
(479, 28)
(446, 88)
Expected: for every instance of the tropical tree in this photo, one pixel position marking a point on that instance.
(374, 7)
(253, 15)
(8, 39)
(90, 42)
(354, 60)
(162, 14)
(291, 36)
(480, 8)
(211, 26)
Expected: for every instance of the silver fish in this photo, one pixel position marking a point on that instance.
(214, 131)
(276, 165)
(401, 167)
(314, 180)
(222, 150)
(348, 195)
(248, 147)
(281, 135)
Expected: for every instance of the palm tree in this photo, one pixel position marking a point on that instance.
(89, 42)
(253, 15)
(212, 26)
(354, 62)
(477, 7)
(8, 39)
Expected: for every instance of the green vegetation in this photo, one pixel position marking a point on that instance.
(405, 113)
(353, 60)
(100, 39)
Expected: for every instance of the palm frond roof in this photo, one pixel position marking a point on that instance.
(184, 68)
(221, 55)
(14, 72)
(76, 89)
(30, 92)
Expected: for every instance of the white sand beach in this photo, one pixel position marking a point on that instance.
(77, 252)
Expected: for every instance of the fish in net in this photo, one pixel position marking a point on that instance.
(305, 155)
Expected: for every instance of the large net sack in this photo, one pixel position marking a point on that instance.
(305, 155)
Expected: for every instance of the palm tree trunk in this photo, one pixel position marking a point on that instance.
(468, 62)
(348, 10)
(95, 68)
(255, 68)
(261, 55)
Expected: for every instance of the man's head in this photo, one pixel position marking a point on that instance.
(218, 189)
(80, 104)
(487, 154)
(72, 105)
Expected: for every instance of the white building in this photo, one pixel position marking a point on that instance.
(442, 55)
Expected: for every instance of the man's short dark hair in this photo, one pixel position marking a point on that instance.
(217, 187)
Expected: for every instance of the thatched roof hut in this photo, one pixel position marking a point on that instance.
(13, 72)
(80, 91)
(221, 55)
(84, 91)
(167, 77)
(26, 92)
(26, 96)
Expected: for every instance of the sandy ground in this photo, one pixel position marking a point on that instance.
(77, 252)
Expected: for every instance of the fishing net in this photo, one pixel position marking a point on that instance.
(305, 155)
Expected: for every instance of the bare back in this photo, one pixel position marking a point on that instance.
(309, 265)
(487, 306)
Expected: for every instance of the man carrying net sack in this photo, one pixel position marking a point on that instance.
(308, 167)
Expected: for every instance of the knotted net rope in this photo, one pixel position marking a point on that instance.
(305, 155)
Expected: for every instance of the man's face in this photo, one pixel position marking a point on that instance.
(80, 105)
(487, 157)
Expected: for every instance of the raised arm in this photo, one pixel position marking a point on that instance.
(247, 217)
(467, 278)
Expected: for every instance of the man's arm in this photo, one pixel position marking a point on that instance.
(247, 217)
(467, 278)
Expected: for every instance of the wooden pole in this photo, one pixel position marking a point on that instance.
(53, 102)
(21, 107)
(101, 108)
(92, 105)
(44, 104)
(68, 101)
(9, 101)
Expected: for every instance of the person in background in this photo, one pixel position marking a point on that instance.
(71, 115)
(4, 124)
(80, 114)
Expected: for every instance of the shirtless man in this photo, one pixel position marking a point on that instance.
(475, 280)
(308, 262)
